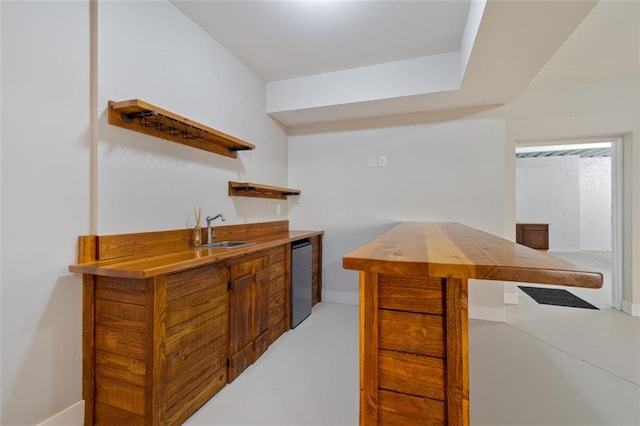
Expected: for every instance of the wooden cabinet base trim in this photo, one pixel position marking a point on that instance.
(239, 361)
(109, 415)
(119, 394)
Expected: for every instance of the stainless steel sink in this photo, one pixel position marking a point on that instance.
(228, 244)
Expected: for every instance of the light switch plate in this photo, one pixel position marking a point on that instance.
(371, 161)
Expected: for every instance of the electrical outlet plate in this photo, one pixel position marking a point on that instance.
(371, 161)
(382, 161)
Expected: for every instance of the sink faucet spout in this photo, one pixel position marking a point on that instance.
(211, 232)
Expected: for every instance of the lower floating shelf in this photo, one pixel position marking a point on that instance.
(249, 189)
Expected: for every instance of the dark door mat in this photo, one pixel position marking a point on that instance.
(557, 297)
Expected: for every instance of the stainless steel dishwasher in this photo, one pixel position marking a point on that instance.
(300, 281)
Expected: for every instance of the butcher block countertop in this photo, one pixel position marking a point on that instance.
(183, 258)
(453, 250)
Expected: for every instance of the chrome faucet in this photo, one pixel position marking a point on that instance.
(211, 232)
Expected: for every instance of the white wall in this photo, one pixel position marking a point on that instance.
(45, 169)
(446, 166)
(572, 195)
(593, 109)
(595, 204)
(1, 134)
(547, 191)
(145, 183)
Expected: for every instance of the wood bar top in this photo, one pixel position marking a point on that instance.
(182, 258)
(453, 250)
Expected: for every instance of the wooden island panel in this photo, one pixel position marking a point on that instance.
(414, 367)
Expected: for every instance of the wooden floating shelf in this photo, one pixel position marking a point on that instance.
(143, 117)
(249, 189)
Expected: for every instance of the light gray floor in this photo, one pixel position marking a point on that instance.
(546, 365)
(309, 376)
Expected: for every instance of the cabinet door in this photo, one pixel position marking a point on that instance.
(241, 315)
(248, 313)
(261, 321)
(240, 325)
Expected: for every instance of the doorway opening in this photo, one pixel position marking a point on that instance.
(576, 188)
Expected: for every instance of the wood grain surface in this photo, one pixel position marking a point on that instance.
(453, 250)
(177, 255)
(414, 351)
(157, 347)
(199, 136)
(257, 190)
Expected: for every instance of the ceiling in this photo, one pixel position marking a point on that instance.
(284, 39)
(335, 60)
(606, 46)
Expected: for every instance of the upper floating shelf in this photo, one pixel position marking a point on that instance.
(249, 189)
(143, 117)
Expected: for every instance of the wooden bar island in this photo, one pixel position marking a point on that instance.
(414, 363)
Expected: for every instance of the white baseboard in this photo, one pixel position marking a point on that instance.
(488, 314)
(70, 416)
(346, 298)
(632, 309)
